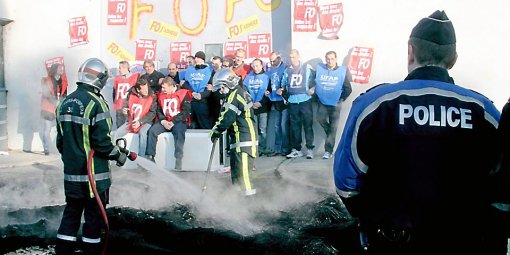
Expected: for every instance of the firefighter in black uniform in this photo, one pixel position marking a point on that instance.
(415, 157)
(238, 118)
(83, 125)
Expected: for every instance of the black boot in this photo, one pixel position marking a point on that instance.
(64, 247)
(92, 248)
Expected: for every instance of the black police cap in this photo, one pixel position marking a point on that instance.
(436, 28)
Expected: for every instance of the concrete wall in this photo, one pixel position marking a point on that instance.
(200, 24)
(39, 31)
(482, 42)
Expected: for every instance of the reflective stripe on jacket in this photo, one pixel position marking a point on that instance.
(84, 124)
(238, 118)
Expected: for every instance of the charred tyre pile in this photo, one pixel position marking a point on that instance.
(310, 228)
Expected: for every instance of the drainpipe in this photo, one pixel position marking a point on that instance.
(3, 91)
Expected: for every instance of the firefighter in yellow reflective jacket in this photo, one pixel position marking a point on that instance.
(83, 127)
(238, 119)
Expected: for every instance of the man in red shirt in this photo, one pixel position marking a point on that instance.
(173, 111)
(121, 85)
(140, 108)
(240, 68)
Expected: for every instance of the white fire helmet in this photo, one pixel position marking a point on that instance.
(225, 77)
(93, 72)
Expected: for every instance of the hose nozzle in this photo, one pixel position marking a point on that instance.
(121, 143)
(132, 155)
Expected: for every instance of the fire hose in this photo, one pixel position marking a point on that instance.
(121, 142)
(98, 199)
(94, 190)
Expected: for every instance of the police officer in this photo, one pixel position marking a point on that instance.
(415, 157)
(499, 213)
(83, 125)
(238, 118)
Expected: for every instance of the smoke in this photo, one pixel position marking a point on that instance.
(221, 204)
(149, 187)
(31, 190)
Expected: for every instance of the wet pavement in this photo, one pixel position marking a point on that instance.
(295, 201)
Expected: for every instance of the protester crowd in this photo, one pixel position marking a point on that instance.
(279, 91)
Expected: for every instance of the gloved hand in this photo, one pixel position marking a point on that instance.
(215, 134)
(121, 145)
(118, 156)
(121, 160)
(123, 149)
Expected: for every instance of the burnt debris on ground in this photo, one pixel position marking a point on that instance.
(322, 227)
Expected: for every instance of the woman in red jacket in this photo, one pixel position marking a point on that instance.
(54, 89)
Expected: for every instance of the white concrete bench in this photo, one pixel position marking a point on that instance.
(197, 149)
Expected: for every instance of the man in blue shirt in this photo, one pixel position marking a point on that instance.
(333, 86)
(278, 105)
(257, 82)
(196, 79)
(296, 83)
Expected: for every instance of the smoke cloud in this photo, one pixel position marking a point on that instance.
(149, 187)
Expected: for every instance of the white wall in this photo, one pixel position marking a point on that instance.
(482, 41)
(191, 12)
(481, 30)
(40, 32)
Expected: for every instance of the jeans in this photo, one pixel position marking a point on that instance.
(178, 132)
(44, 133)
(328, 117)
(120, 118)
(261, 123)
(281, 125)
(142, 136)
(301, 117)
(200, 117)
